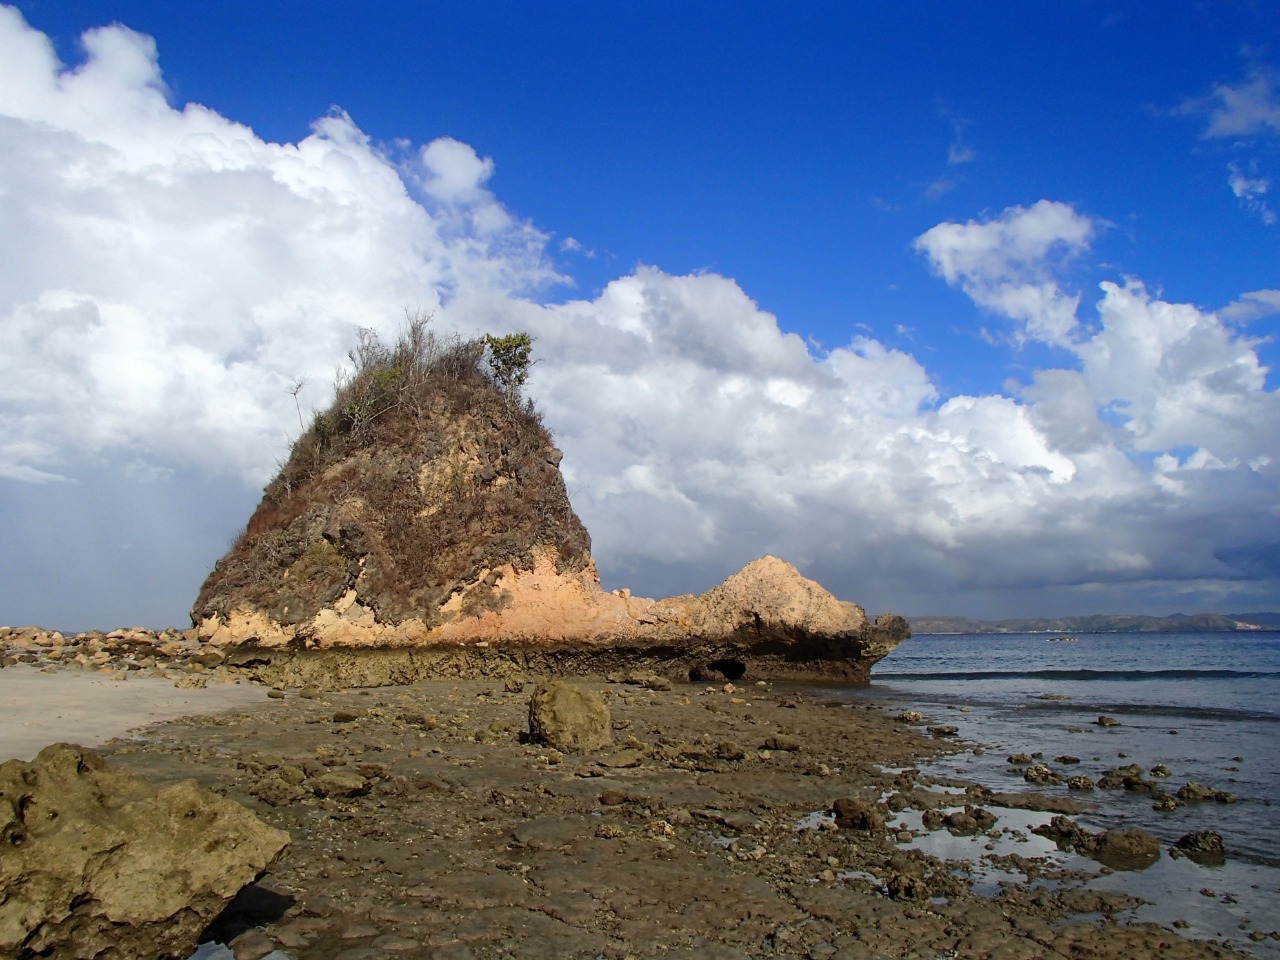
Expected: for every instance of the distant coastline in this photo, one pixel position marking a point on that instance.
(1103, 623)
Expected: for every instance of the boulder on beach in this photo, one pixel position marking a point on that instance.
(425, 513)
(570, 718)
(100, 863)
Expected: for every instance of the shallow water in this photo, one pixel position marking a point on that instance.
(1205, 705)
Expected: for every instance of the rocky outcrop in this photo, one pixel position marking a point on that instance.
(424, 516)
(99, 863)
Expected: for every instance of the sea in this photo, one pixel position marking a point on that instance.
(1206, 705)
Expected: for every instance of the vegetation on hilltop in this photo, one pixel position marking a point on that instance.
(426, 473)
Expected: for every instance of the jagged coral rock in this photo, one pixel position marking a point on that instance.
(98, 862)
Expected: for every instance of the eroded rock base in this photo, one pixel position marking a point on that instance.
(745, 660)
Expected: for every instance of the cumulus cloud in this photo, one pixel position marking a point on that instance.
(1006, 264)
(170, 275)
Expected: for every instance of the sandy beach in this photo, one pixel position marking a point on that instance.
(44, 706)
(425, 826)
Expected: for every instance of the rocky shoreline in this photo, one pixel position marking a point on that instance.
(172, 654)
(722, 821)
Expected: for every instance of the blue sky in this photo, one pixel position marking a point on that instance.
(928, 197)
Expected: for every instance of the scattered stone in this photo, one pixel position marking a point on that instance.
(1160, 770)
(1067, 759)
(782, 743)
(944, 731)
(1194, 792)
(1105, 721)
(1041, 775)
(853, 813)
(1080, 782)
(276, 792)
(339, 784)
(910, 716)
(252, 945)
(969, 821)
(1020, 759)
(1138, 785)
(1121, 849)
(1204, 846)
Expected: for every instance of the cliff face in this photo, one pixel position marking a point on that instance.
(425, 511)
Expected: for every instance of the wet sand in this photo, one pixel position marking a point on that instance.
(425, 827)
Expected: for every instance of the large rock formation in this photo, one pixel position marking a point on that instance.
(423, 516)
(98, 863)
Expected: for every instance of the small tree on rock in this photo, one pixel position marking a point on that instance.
(509, 361)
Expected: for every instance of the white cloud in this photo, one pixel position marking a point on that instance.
(1251, 191)
(1006, 264)
(1179, 377)
(169, 276)
(1239, 110)
(454, 173)
(1251, 306)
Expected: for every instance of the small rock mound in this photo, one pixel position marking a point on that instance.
(1204, 846)
(1122, 849)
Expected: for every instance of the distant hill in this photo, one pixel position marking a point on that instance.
(1102, 623)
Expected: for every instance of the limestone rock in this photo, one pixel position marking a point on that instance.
(99, 863)
(569, 718)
